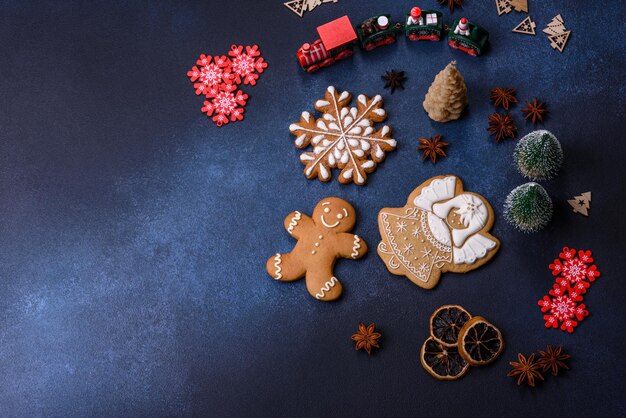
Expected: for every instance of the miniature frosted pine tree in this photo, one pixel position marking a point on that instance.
(538, 155)
(447, 96)
(528, 207)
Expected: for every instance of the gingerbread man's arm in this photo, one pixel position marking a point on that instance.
(351, 246)
(297, 223)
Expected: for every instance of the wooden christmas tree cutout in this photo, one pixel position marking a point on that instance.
(526, 27)
(520, 5)
(558, 41)
(503, 6)
(557, 34)
(301, 6)
(581, 204)
(296, 6)
(556, 27)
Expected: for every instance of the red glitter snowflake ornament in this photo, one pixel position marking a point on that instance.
(246, 66)
(211, 73)
(217, 78)
(562, 310)
(224, 105)
(575, 268)
(574, 276)
(558, 289)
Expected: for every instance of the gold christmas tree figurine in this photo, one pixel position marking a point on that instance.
(447, 96)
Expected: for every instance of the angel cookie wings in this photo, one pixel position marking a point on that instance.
(441, 228)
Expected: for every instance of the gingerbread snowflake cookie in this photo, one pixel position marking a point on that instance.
(322, 239)
(344, 137)
(442, 228)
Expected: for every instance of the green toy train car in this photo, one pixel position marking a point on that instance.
(473, 42)
(377, 31)
(429, 26)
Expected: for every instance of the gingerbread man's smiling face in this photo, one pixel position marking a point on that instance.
(335, 214)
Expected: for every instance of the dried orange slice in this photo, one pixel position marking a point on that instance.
(444, 363)
(446, 322)
(479, 341)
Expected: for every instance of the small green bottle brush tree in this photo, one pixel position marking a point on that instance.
(538, 155)
(528, 207)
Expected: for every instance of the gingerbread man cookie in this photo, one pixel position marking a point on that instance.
(441, 228)
(322, 239)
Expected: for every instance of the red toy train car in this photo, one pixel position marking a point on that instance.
(335, 43)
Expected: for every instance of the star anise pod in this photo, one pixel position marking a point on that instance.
(527, 369)
(366, 338)
(502, 126)
(503, 97)
(432, 147)
(451, 4)
(394, 79)
(553, 359)
(535, 110)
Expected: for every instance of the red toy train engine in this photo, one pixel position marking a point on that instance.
(335, 43)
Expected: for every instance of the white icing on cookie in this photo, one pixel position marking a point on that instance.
(325, 174)
(437, 191)
(294, 221)
(326, 288)
(327, 225)
(277, 261)
(476, 247)
(472, 211)
(439, 229)
(322, 125)
(356, 247)
(300, 140)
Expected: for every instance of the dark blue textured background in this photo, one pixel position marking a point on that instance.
(134, 232)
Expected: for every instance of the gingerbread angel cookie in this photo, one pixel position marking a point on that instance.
(322, 239)
(441, 228)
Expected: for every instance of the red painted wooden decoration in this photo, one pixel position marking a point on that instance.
(337, 33)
